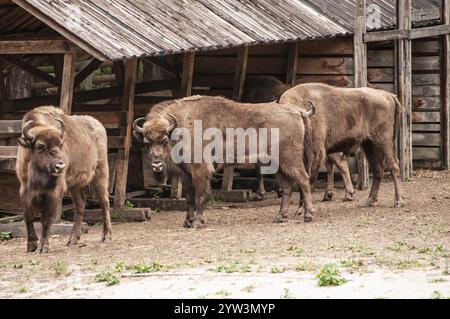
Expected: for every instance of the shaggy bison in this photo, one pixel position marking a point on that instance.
(58, 153)
(265, 89)
(348, 118)
(222, 114)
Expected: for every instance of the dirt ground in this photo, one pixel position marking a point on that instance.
(382, 252)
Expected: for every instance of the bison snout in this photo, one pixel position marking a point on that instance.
(58, 167)
(157, 166)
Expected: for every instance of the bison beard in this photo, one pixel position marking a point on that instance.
(60, 153)
(348, 118)
(221, 113)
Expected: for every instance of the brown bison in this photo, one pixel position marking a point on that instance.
(58, 153)
(348, 118)
(224, 115)
(265, 89)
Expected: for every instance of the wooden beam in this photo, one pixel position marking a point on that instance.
(360, 71)
(291, 72)
(36, 47)
(67, 87)
(124, 154)
(390, 35)
(429, 32)
(29, 68)
(10, 127)
(405, 89)
(58, 66)
(187, 74)
(83, 74)
(445, 88)
(8, 152)
(163, 65)
(240, 73)
(3, 95)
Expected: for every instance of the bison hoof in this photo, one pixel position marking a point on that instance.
(308, 216)
(399, 204)
(280, 219)
(348, 197)
(188, 223)
(106, 239)
(198, 224)
(260, 196)
(42, 250)
(32, 246)
(328, 197)
(369, 203)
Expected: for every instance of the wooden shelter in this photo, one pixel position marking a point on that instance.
(209, 47)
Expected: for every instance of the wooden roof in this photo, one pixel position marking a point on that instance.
(113, 29)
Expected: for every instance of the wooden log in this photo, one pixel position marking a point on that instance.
(234, 196)
(390, 35)
(227, 179)
(240, 73)
(405, 89)
(132, 215)
(67, 83)
(292, 64)
(445, 88)
(19, 229)
(187, 74)
(360, 73)
(124, 154)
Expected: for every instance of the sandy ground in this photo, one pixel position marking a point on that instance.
(382, 253)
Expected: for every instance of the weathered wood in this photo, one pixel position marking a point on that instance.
(390, 35)
(132, 215)
(160, 204)
(291, 71)
(8, 152)
(3, 95)
(360, 73)
(19, 229)
(11, 127)
(405, 89)
(427, 32)
(233, 196)
(29, 68)
(187, 74)
(36, 47)
(83, 74)
(67, 83)
(58, 68)
(240, 72)
(18, 84)
(445, 88)
(124, 154)
(227, 179)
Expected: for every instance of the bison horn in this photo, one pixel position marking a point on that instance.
(173, 126)
(62, 127)
(136, 126)
(26, 131)
(312, 110)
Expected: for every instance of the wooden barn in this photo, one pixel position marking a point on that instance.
(114, 59)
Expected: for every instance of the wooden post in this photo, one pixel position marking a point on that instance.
(445, 87)
(123, 156)
(67, 83)
(227, 178)
(291, 72)
(3, 96)
(405, 89)
(240, 72)
(187, 75)
(360, 71)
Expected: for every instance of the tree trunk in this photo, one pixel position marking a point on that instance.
(18, 84)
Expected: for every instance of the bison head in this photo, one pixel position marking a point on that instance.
(45, 145)
(155, 134)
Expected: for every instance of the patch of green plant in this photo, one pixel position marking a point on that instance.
(60, 268)
(438, 280)
(361, 249)
(119, 266)
(329, 275)
(296, 251)
(128, 205)
(436, 295)
(22, 290)
(18, 265)
(215, 199)
(407, 264)
(424, 250)
(276, 270)
(223, 293)
(35, 262)
(232, 268)
(94, 262)
(286, 294)
(248, 251)
(107, 277)
(6, 236)
(143, 268)
(440, 249)
(446, 271)
(397, 246)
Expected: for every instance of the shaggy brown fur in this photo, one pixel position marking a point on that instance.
(50, 162)
(348, 118)
(217, 112)
(266, 89)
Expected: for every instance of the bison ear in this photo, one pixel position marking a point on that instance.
(24, 142)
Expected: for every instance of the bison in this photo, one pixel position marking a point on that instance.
(58, 153)
(159, 130)
(348, 118)
(265, 89)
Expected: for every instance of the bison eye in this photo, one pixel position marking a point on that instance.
(40, 147)
(165, 141)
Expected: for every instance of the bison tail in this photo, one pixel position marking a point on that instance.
(308, 143)
(398, 115)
